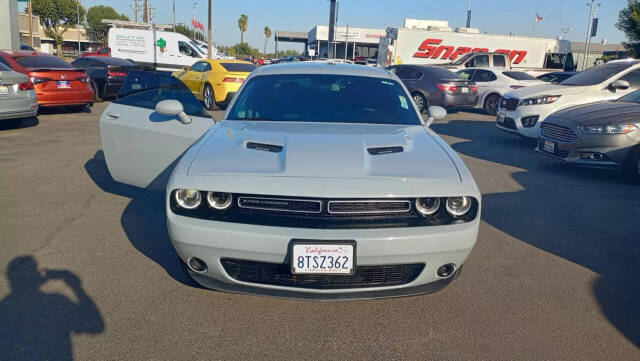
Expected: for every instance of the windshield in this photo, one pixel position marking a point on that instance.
(324, 98)
(45, 61)
(144, 89)
(633, 97)
(597, 74)
(462, 59)
(519, 75)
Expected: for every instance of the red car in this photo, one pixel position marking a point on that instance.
(105, 51)
(56, 82)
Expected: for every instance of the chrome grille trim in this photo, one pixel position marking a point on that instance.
(281, 207)
(406, 207)
(558, 133)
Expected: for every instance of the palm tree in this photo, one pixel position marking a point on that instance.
(243, 24)
(267, 35)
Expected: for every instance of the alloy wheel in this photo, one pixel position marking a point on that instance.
(491, 106)
(419, 99)
(208, 97)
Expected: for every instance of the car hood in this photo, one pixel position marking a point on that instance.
(545, 89)
(322, 150)
(601, 113)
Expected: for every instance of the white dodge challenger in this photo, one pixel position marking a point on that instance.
(321, 181)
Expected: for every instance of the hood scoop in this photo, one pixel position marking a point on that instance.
(385, 150)
(273, 148)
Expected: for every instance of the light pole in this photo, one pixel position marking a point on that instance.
(587, 42)
(195, 5)
(78, 26)
(468, 13)
(209, 33)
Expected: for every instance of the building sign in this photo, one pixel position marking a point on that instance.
(357, 35)
(431, 48)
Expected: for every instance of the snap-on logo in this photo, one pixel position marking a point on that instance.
(431, 48)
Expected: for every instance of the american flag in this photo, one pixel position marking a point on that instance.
(538, 17)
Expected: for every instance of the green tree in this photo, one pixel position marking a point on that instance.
(184, 30)
(267, 35)
(243, 24)
(629, 24)
(96, 30)
(57, 16)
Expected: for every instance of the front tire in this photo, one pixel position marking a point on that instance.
(632, 166)
(420, 101)
(491, 104)
(208, 97)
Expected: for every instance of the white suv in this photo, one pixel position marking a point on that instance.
(521, 111)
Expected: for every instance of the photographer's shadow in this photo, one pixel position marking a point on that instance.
(144, 220)
(35, 325)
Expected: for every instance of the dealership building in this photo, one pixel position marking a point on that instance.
(356, 42)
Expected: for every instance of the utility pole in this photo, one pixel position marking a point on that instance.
(174, 15)
(587, 42)
(209, 35)
(135, 10)
(78, 26)
(468, 13)
(332, 29)
(30, 24)
(195, 5)
(346, 43)
(145, 15)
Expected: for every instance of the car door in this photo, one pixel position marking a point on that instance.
(141, 146)
(193, 76)
(404, 73)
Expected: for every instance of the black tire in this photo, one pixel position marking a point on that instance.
(491, 103)
(96, 95)
(420, 101)
(208, 98)
(632, 166)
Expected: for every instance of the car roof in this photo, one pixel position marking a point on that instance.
(322, 68)
(226, 61)
(13, 53)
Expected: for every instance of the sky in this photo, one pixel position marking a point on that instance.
(493, 16)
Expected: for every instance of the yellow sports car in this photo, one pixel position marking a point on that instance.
(215, 81)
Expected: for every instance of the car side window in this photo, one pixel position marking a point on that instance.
(403, 73)
(415, 74)
(199, 66)
(484, 76)
(633, 78)
(80, 63)
(104, 51)
(498, 61)
(186, 49)
(144, 89)
(478, 61)
(466, 74)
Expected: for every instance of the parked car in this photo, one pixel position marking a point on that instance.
(106, 73)
(557, 77)
(432, 85)
(493, 83)
(56, 82)
(523, 110)
(17, 97)
(104, 51)
(600, 135)
(215, 81)
(26, 47)
(322, 181)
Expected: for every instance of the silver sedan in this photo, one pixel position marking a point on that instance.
(17, 96)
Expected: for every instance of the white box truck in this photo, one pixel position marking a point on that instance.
(161, 50)
(439, 45)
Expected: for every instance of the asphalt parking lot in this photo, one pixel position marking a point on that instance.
(89, 272)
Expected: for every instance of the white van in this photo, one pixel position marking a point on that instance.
(161, 50)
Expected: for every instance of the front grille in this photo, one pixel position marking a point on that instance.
(281, 204)
(279, 274)
(558, 133)
(509, 103)
(368, 207)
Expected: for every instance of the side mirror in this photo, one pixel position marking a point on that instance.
(173, 108)
(435, 113)
(619, 84)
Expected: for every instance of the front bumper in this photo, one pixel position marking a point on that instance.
(514, 120)
(613, 149)
(212, 241)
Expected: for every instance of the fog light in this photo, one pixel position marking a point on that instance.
(529, 122)
(591, 156)
(446, 270)
(197, 265)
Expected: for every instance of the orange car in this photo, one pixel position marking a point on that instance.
(56, 82)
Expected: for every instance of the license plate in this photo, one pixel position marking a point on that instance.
(4, 90)
(501, 118)
(464, 90)
(311, 257)
(64, 84)
(549, 146)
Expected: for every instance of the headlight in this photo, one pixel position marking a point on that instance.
(219, 200)
(188, 198)
(609, 129)
(544, 99)
(458, 206)
(427, 206)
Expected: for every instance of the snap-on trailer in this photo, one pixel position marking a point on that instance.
(439, 45)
